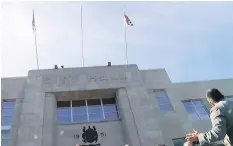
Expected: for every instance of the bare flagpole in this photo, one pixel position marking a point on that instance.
(126, 47)
(82, 35)
(34, 30)
(36, 52)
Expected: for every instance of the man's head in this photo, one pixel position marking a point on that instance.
(213, 95)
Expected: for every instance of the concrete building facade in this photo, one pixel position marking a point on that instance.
(103, 106)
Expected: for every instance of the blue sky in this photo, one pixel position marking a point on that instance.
(191, 40)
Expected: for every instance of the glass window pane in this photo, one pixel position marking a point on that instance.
(204, 116)
(206, 104)
(163, 100)
(166, 107)
(95, 109)
(108, 101)
(110, 108)
(193, 117)
(8, 103)
(197, 103)
(187, 103)
(7, 111)
(189, 107)
(4, 142)
(4, 137)
(64, 119)
(81, 110)
(94, 106)
(4, 134)
(6, 120)
(111, 116)
(95, 117)
(79, 118)
(160, 93)
(64, 111)
(201, 110)
(190, 110)
(63, 104)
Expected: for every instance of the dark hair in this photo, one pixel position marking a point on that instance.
(214, 94)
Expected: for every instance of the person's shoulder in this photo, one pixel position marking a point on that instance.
(219, 106)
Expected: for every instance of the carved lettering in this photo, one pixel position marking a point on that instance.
(48, 80)
(76, 136)
(91, 78)
(102, 134)
(64, 80)
(75, 79)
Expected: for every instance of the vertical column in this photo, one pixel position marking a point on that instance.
(144, 112)
(31, 118)
(127, 117)
(49, 120)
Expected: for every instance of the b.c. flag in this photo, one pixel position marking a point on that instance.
(127, 20)
(33, 22)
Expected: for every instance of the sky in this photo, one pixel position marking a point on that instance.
(193, 41)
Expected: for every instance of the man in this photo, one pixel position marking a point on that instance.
(221, 116)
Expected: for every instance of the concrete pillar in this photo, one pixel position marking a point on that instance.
(48, 133)
(127, 118)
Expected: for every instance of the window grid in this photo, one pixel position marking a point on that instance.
(102, 108)
(7, 105)
(4, 137)
(71, 111)
(87, 111)
(164, 97)
(195, 108)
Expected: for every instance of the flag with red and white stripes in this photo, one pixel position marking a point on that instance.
(127, 20)
(33, 22)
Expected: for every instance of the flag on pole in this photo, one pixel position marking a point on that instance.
(127, 20)
(33, 23)
(34, 30)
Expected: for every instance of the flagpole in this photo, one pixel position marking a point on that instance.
(34, 30)
(126, 47)
(36, 52)
(82, 36)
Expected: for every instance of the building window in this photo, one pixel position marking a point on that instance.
(4, 137)
(163, 100)
(7, 116)
(230, 98)
(7, 112)
(196, 110)
(87, 110)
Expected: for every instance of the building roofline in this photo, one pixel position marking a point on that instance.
(18, 77)
(199, 81)
(129, 65)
